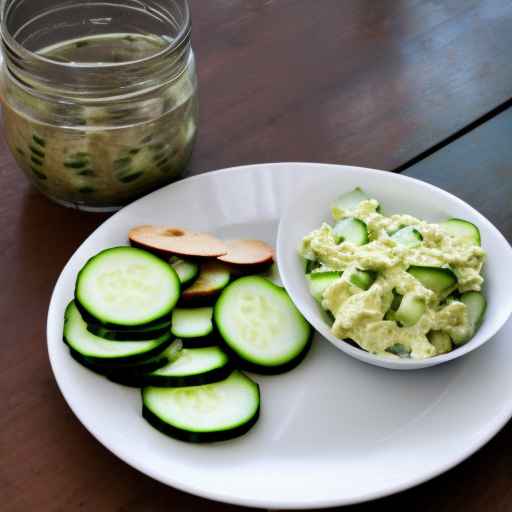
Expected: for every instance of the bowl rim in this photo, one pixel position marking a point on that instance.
(314, 319)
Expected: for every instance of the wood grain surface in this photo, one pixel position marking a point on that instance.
(365, 82)
(353, 81)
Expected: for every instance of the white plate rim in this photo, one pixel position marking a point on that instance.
(499, 423)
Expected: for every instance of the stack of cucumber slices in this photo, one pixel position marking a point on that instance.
(181, 315)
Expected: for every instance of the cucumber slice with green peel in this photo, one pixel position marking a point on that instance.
(320, 281)
(411, 309)
(350, 200)
(131, 371)
(192, 323)
(99, 350)
(126, 287)
(260, 326)
(95, 323)
(194, 367)
(150, 333)
(212, 412)
(399, 350)
(408, 237)
(439, 280)
(122, 371)
(476, 305)
(363, 278)
(441, 341)
(462, 229)
(213, 277)
(191, 367)
(351, 230)
(187, 270)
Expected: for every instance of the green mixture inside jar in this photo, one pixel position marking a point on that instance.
(105, 154)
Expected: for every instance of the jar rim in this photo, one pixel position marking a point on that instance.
(9, 40)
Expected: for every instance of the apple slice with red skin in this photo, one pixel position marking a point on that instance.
(167, 241)
(247, 253)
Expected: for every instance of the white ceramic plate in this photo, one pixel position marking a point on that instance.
(333, 431)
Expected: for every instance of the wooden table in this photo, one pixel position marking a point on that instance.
(403, 85)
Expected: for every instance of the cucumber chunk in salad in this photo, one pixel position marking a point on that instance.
(440, 280)
(349, 201)
(476, 305)
(408, 237)
(410, 310)
(462, 229)
(363, 278)
(320, 281)
(350, 230)
(441, 341)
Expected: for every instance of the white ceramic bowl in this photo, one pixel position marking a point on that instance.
(310, 206)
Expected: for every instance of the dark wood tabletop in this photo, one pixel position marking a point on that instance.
(413, 86)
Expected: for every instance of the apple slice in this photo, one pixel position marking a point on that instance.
(247, 252)
(168, 241)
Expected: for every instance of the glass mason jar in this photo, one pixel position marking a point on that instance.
(99, 96)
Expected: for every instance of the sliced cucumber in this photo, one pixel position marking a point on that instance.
(261, 326)
(462, 229)
(213, 277)
(187, 270)
(126, 287)
(411, 309)
(212, 412)
(191, 367)
(131, 371)
(351, 230)
(476, 305)
(320, 281)
(441, 341)
(350, 200)
(408, 237)
(192, 323)
(124, 371)
(150, 333)
(363, 278)
(99, 350)
(439, 280)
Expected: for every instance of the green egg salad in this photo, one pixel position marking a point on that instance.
(396, 285)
